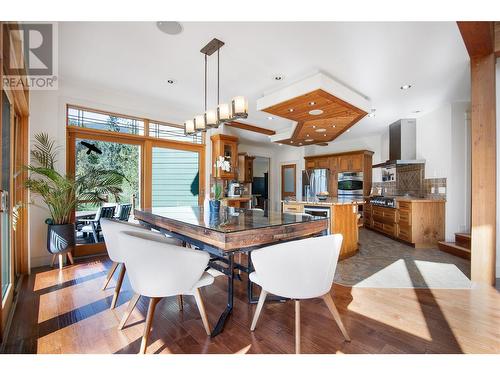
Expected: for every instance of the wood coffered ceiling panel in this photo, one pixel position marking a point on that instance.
(333, 117)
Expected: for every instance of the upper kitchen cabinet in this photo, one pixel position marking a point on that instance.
(245, 170)
(226, 146)
(353, 161)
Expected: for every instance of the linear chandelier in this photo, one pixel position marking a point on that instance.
(212, 118)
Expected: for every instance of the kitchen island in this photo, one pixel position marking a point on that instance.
(343, 215)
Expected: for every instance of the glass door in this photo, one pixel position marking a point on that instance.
(5, 219)
(175, 177)
(103, 155)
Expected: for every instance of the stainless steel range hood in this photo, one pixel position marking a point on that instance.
(402, 144)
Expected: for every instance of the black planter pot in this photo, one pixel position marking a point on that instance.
(214, 205)
(60, 238)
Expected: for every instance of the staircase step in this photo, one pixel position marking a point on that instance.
(455, 249)
(463, 239)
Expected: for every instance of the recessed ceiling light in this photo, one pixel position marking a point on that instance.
(309, 140)
(333, 126)
(405, 87)
(171, 81)
(314, 126)
(270, 117)
(300, 144)
(321, 130)
(312, 103)
(169, 27)
(348, 130)
(278, 77)
(316, 112)
(291, 110)
(291, 141)
(324, 135)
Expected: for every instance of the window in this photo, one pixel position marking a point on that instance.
(175, 177)
(172, 132)
(103, 121)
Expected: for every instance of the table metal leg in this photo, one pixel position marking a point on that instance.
(230, 298)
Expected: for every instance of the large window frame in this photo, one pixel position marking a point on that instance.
(146, 144)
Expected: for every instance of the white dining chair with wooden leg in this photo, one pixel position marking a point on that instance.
(298, 270)
(110, 230)
(158, 269)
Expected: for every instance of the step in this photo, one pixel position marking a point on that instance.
(463, 239)
(455, 249)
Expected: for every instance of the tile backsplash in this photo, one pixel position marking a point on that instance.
(410, 181)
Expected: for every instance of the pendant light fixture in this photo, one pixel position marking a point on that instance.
(224, 112)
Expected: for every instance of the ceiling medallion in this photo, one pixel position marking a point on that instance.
(212, 118)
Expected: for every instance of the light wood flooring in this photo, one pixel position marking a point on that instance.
(66, 312)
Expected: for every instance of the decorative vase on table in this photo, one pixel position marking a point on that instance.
(214, 205)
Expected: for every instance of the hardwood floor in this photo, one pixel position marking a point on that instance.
(67, 312)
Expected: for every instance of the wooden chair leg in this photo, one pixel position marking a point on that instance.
(333, 310)
(54, 256)
(260, 304)
(180, 302)
(70, 258)
(110, 274)
(130, 308)
(61, 261)
(297, 327)
(118, 286)
(203, 313)
(149, 320)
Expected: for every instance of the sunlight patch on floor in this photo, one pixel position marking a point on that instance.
(402, 313)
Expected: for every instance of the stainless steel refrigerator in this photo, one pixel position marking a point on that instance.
(315, 181)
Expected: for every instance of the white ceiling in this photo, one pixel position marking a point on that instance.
(374, 59)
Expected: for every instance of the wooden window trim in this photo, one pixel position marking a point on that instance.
(146, 142)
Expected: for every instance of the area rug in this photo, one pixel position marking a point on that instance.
(384, 263)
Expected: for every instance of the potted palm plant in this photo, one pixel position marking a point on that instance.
(61, 193)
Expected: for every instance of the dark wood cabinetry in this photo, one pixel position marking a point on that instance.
(245, 164)
(353, 161)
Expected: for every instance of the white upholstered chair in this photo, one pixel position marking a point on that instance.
(161, 269)
(298, 270)
(110, 230)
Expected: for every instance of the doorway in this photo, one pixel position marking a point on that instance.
(260, 182)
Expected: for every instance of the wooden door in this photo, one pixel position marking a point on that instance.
(288, 181)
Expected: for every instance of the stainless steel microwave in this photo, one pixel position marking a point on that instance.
(350, 183)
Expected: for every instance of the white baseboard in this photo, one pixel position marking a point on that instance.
(41, 261)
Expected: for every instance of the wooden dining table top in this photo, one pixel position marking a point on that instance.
(232, 228)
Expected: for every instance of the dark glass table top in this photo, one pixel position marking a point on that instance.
(228, 219)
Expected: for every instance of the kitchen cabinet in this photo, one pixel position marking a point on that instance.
(353, 161)
(350, 163)
(420, 223)
(245, 170)
(226, 146)
(295, 208)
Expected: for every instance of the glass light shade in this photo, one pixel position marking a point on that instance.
(224, 112)
(240, 107)
(199, 122)
(189, 127)
(211, 118)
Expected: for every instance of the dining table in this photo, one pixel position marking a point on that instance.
(229, 232)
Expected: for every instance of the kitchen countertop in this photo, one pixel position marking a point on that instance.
(333, 201)
(420, 200)
(242, 198)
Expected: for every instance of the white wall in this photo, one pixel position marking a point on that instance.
(442, 140)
